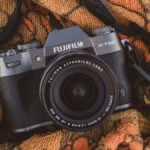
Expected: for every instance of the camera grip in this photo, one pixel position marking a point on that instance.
(13, 108)
(118, 64)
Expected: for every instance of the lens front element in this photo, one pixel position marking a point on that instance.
(76, 92)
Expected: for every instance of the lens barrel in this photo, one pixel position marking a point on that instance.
(78, 90)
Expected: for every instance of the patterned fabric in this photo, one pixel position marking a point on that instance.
(125, 130)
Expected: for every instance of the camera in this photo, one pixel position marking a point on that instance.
(75, 81)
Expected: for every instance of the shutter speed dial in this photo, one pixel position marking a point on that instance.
(25, 47)
(11, 52)
(2, 54)
(29, 46)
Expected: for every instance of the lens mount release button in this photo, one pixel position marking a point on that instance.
(13, 64)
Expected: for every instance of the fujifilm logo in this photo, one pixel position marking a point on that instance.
(107, 44)
(68, 47)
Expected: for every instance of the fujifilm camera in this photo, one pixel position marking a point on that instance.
(75, 81)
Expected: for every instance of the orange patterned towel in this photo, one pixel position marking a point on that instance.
(125, 130)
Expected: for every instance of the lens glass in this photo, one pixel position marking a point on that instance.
(78, 92)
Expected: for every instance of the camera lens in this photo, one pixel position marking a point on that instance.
(78, 90)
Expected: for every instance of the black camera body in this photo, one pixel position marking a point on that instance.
(75, 81)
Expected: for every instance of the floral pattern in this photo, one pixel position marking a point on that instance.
(126, 130)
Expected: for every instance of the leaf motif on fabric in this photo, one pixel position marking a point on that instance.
(141, 46)
(132, 5)
(28, 23)
(46, 23)
(126, 128)
(81, 144)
